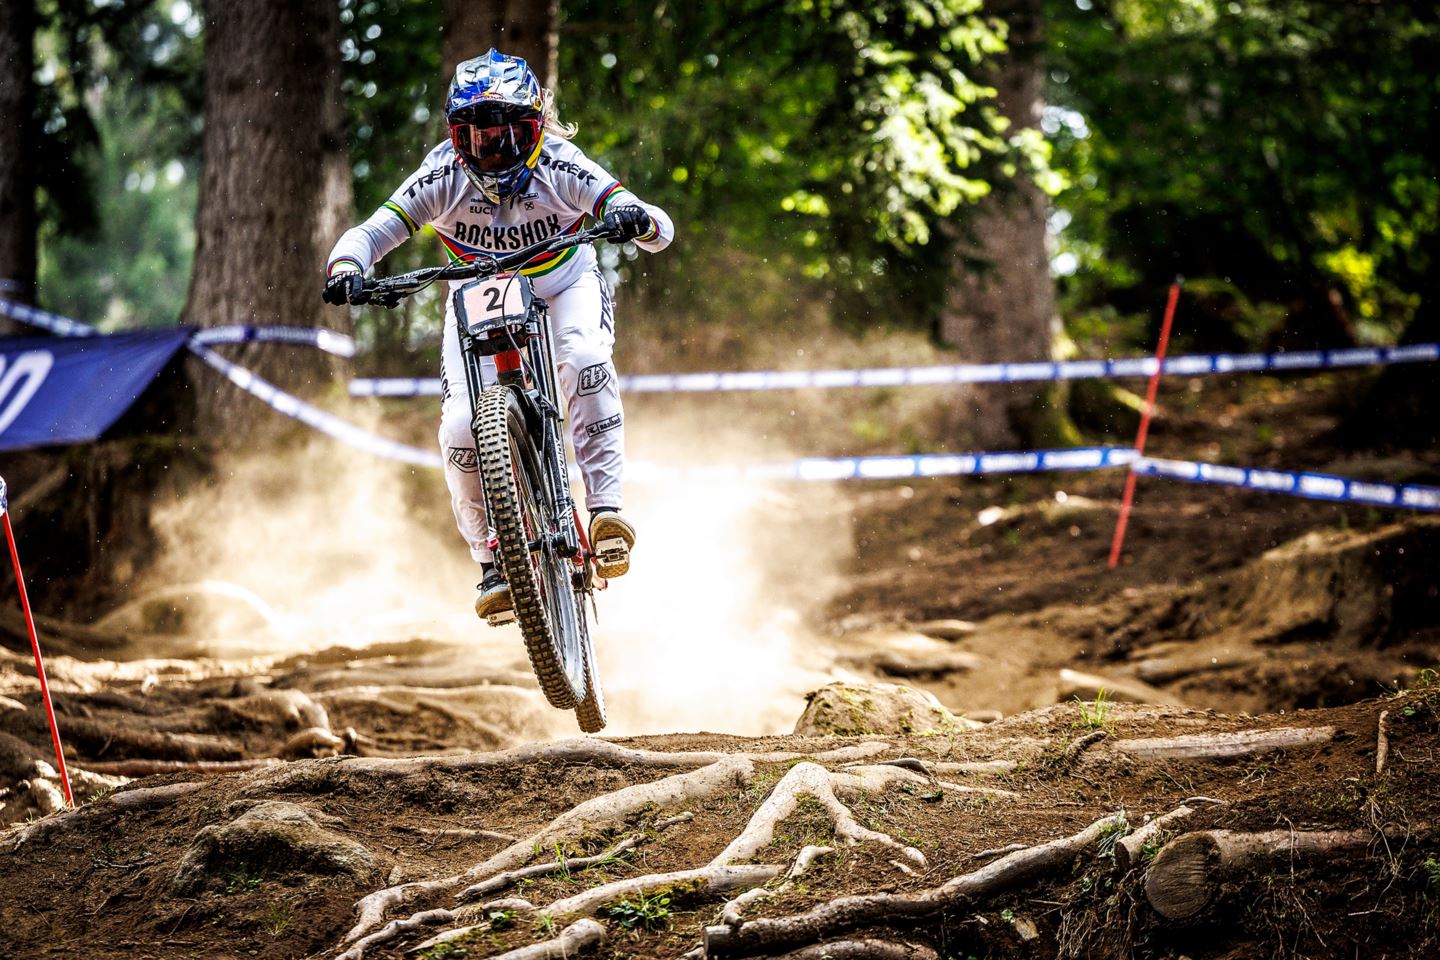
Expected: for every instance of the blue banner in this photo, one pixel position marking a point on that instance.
(71, 390)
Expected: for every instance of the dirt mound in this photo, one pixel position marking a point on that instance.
(1063, 832)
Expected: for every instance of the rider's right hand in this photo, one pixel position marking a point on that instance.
(345, 286)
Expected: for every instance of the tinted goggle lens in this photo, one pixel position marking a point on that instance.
(495, 149)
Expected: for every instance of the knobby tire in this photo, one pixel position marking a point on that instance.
(511, 476)
(590, 711)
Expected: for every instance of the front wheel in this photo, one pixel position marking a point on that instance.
(590, 711)
(524, 523)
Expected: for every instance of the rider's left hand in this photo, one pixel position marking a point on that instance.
(628, 223)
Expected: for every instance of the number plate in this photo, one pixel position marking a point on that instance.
(485, 303)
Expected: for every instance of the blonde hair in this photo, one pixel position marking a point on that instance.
(550, 117)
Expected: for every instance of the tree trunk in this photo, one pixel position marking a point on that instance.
(274, 190)
(1001, 304)
(1399, 411)
(521, 28)
(17, 153)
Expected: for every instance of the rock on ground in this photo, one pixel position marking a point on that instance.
(270, 838)
(859, 709)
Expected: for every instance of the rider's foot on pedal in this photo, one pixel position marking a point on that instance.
(611, 538)
(493, 603)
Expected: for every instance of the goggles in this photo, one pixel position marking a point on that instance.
(495, 148)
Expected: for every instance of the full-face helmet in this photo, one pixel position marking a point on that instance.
(495, 109)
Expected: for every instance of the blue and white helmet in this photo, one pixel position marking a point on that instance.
(495, 109)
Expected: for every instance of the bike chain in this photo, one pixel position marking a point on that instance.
(502, 500)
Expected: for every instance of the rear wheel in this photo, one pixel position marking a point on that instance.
(539, 577)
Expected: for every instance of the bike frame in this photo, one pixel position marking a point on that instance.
(524, 364)
(527, 366)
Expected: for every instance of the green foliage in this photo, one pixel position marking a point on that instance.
(120, 97)
(642, 913)
(242, 881)
(1431, 869)
(836, 132)
(1276, 145)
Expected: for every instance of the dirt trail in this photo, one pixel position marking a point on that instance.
(279, 862)
(275, 790)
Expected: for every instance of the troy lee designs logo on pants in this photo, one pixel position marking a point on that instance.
(464, 459)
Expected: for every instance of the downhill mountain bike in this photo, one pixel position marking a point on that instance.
(536, 533)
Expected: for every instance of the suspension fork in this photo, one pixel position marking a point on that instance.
(545, 373)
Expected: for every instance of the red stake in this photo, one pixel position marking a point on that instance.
(35, 646)
(1128, 498)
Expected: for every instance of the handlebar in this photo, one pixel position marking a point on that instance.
(389, 291)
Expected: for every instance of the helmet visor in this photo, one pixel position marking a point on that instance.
(495, 148)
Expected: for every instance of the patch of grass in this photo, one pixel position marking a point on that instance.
(276, 919)
(642, 913)
(1098, 714)
(445, 951)
(544, 924)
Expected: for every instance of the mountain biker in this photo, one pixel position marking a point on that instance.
(509, 177)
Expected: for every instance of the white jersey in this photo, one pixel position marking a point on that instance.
(566, 188)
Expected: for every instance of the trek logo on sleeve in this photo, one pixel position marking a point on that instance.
(567, 166)
(425, 179)
(508, 238)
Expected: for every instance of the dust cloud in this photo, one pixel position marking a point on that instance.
(318, 546)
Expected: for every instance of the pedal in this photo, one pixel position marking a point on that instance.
(612, 556)
(501, 618)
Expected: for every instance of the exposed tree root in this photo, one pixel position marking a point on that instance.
(394, 929)
(1382, 743)
(898, 664)
(813, 780)
(1129, 850)
(1187, 874)
(579, 938)
(511, 877)
(1087, 686)
(1223, 746)
(134, 799)
(711, 881)
(100, 738)
(867, 949)
(146, 768)
(849, 913)
(586, 750)
(460, 833)
(592, 816)
(733, 913)
(872, 777)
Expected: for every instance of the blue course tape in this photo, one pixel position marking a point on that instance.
(1316, 486)
(311, 416)
(891, 468)
(328, 340)
(1193, 365)
(45, 320)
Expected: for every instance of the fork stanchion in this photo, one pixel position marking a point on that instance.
(35, 646)
(1129, 496)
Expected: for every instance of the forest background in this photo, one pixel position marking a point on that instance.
(1014, 179)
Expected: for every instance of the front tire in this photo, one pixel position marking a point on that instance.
(539, 578)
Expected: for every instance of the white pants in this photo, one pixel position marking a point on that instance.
(582, 331)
